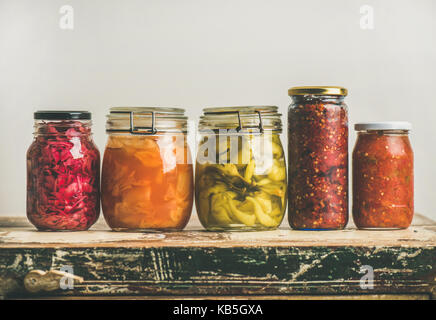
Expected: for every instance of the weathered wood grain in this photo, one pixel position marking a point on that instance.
(23, 235)
(197, 263)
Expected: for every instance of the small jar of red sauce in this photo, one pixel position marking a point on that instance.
(318, 158)
(383, 176)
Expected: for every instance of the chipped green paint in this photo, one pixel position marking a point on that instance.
(196, 263)
(227, 271)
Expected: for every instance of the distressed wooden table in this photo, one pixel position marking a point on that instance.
(281, 264)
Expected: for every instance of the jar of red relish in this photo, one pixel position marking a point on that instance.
(383, 176)
(63, 172)
(318, 158)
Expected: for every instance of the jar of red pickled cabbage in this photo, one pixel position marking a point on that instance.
(383, 176)
(147, 175)
(318, 158)
(63, 172)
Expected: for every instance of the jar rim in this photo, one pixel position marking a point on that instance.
(242, 109)
(241, 118)
(146, 110)
(146, 120)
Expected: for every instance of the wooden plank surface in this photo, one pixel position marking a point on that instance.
(18, 233)
(197, 263)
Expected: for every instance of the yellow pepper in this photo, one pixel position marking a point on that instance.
(247, 219)
(263, 218)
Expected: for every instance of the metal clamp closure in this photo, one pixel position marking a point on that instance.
(239, 128)
(134, 129)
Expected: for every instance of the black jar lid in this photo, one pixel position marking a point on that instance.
(61, 115)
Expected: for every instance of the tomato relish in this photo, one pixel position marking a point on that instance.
(383, 176)
(318, 158)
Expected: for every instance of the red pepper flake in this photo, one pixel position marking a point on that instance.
(318, 165)
(63, 177)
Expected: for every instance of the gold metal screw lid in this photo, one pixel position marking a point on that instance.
(318, 90)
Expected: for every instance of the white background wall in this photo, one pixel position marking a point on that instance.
(197, 53)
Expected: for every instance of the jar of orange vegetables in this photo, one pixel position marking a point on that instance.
(147, 174)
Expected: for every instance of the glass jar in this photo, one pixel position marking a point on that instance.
(240, 169)
(318, 158)
(147, 175)
(383, 176)
(63, 172)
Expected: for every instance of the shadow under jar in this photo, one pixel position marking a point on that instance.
(147, 175)
(240, 169)
(383, 176)
(63, 172)
(318, 158)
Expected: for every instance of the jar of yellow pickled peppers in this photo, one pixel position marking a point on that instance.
(147, 174)
(240, 169)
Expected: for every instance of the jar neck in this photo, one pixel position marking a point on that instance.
(241, 119)
(383, 132)
(234, 132)
(67, 128)
(146, 121)
(317, 98)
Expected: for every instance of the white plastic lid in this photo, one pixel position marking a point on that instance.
(387, 125)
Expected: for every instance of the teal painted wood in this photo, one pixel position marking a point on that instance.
(233, 271)
(168, 267)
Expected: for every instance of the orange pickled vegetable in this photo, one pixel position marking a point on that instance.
(145, 185)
